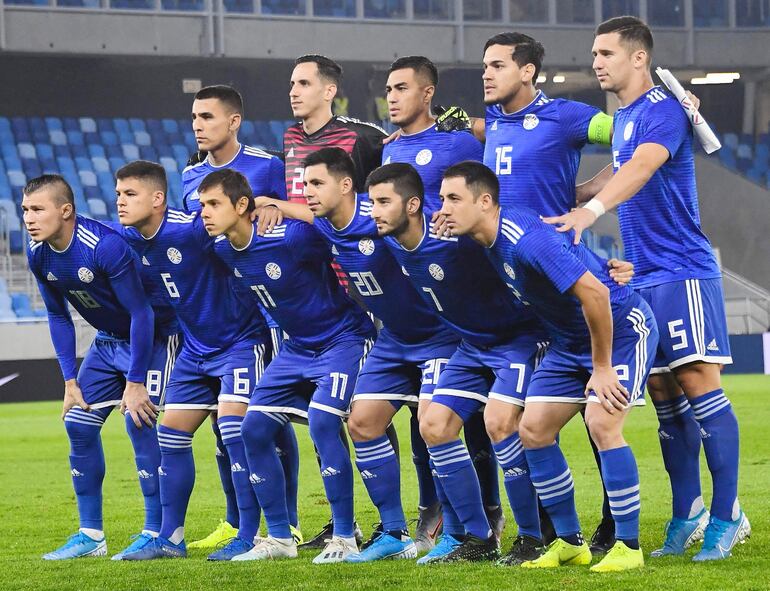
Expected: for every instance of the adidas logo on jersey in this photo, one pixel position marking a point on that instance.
(663, 435)
(291, 153)
(51, 277)
(330, 471)
(656, 95)
(254, 479)
(237, 468)
(514, 472)
(237, 273)
(76, 473)
(493, 126)
(366, 475)
(712, 346)
(335, 252)
(145, 262)
(144, 474)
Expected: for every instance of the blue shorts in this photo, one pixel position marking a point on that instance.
(475, 374)
(402, 373)
(200, 383)
(102, 375)
(563, 374)
(277, 337)
(691, 321)
(300, 378)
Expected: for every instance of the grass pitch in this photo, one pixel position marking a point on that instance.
(37, 513)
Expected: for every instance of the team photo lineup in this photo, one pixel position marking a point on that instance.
(439, 270)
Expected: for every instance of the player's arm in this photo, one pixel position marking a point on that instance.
(594, 298)
(272, 211)
(586, 191)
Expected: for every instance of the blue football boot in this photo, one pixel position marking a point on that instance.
(77, 546)
(681, 534)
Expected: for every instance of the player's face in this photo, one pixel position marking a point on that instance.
(613, 63)
(135, 200)
(389, 211)
(323, 191)
(408, 96)
(43, 218)
(217, 211)
(307, 91)
(461, 208)
(502, 76)
(213, 125)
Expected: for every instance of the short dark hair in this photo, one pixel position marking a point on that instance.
(230, 97)
(144, 170)
(232, 183)
(405, 179)
(338, 162)
(479, 178)
(421, 65)
(64, 192)
(634, 32)
(526, 50)
(328, 69)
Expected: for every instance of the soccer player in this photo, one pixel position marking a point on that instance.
(653, 187)
(217, 112)
(80, 261)
(492, 366)
(405, 363)
(312, 377)
(226, 346)
(410, 87)
(602, 340)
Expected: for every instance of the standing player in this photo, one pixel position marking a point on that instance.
(313, 375)
(217, 113)
(410, 88)
(602, 341)
(226, 346)
(82, 262)
(492, 366)
(677, 273)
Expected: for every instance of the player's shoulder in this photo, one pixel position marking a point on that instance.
(463, 138)
(254, 154)
(195, 170)
(178, 217)
(364, 205)
(517, 222)
(91, 232)
(565, 105)
(360, 127)
(657, 101)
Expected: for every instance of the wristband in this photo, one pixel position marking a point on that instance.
(596, 207)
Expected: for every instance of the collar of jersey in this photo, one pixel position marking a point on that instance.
(417, 133)
(424, 236)
(226, 164)
(251, 239)
(346, 226)
(523, 110)
(317, 131)
(638, 99)
(160, 227)
(78, 219)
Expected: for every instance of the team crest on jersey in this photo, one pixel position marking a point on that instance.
(366, 246)
(628, 130)
(387, 161)
(436, 272)
(530, 121)
(423, 157)
(509, 271)
(273, 271)
(174, 255)
(85, 275)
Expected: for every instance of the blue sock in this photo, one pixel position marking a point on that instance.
(226, 478)
(380, 472)
(621, 478)
(87, 463)
(421, 460)
(258, 431)
(336, 469)
(679, 435)
(451, 523)
(553, 482)
(521, 493)
(147, 457)
(177, 478)
(248, 507)
(461, 486)
(288, 452)
(719, 431)
(483, 457)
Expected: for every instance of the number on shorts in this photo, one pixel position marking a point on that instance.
(522, 369)
(622, 371)
(432, 371)
(153, 382)
(241, 381)
(339, 384)
(677, 331)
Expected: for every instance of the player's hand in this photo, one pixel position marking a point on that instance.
(451, 118)
(440, 227)
(621, 271)
(392, 137)
(611, 393)
(136, 402)
(73, 397)
(269, 217)
(578, 219)
(197, 157)
(693, 99)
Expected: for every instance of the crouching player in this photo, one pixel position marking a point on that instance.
(569, 288)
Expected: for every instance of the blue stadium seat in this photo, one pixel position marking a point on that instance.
(109, 138)
(142, 138)
(130, 152)
(100, 164)
(106, 179)
(75, 138)
(71, 124)
(116, 163)
(17, 241)
(79, 151)
(44, 150)
(148, 153)
(26, 150)
(9, 207)
(66, 164)
(21, 305)
(137, 124)
(49, 166)
(53, 123)
(180, 153)
(169, 164)
(98, 209)
(95, 150)
(114, 152)
(87, 125)
(17, 178)
(31, 167)
(104, 124)
(92, 137)
(122, 125)
(5, 124)
(83, 163)
(57, 137)
(170, 126)
(87, 178)
(62, 151)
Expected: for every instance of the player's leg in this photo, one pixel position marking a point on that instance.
(603, 537)
(484, 462)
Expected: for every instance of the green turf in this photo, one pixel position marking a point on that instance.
(37, 513)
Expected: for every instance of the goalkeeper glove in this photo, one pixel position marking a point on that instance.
(197, 157)
(451, 118)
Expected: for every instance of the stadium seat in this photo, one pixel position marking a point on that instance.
(116, 163)
(87, 178)
(130, 152)
(21, 305)
(169, 164)
(96, 150)
(17, 241)
(142, 138)
(98, 209)
(109, 138)
(87, 125)
(31, 168)
(27, 150)
(57, 137)
(100, 164)
(137, 124)
(17, 178)
(44, 150)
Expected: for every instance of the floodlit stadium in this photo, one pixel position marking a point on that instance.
(475, 292)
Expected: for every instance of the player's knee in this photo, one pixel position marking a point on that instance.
(363, 427)
(432, 429)
(532, 433)
(323, 426)
(257, 431)
(499, 426)
(80, 434)
(605, 429)
(698, 378)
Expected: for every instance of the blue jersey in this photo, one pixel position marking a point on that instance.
(535, 152)
(377, 277)
(264, 172)
(98, 274)
(431, 152)
(660, 225)
(289, 272)
(540, 265)
(455, 277)
(213, 314)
